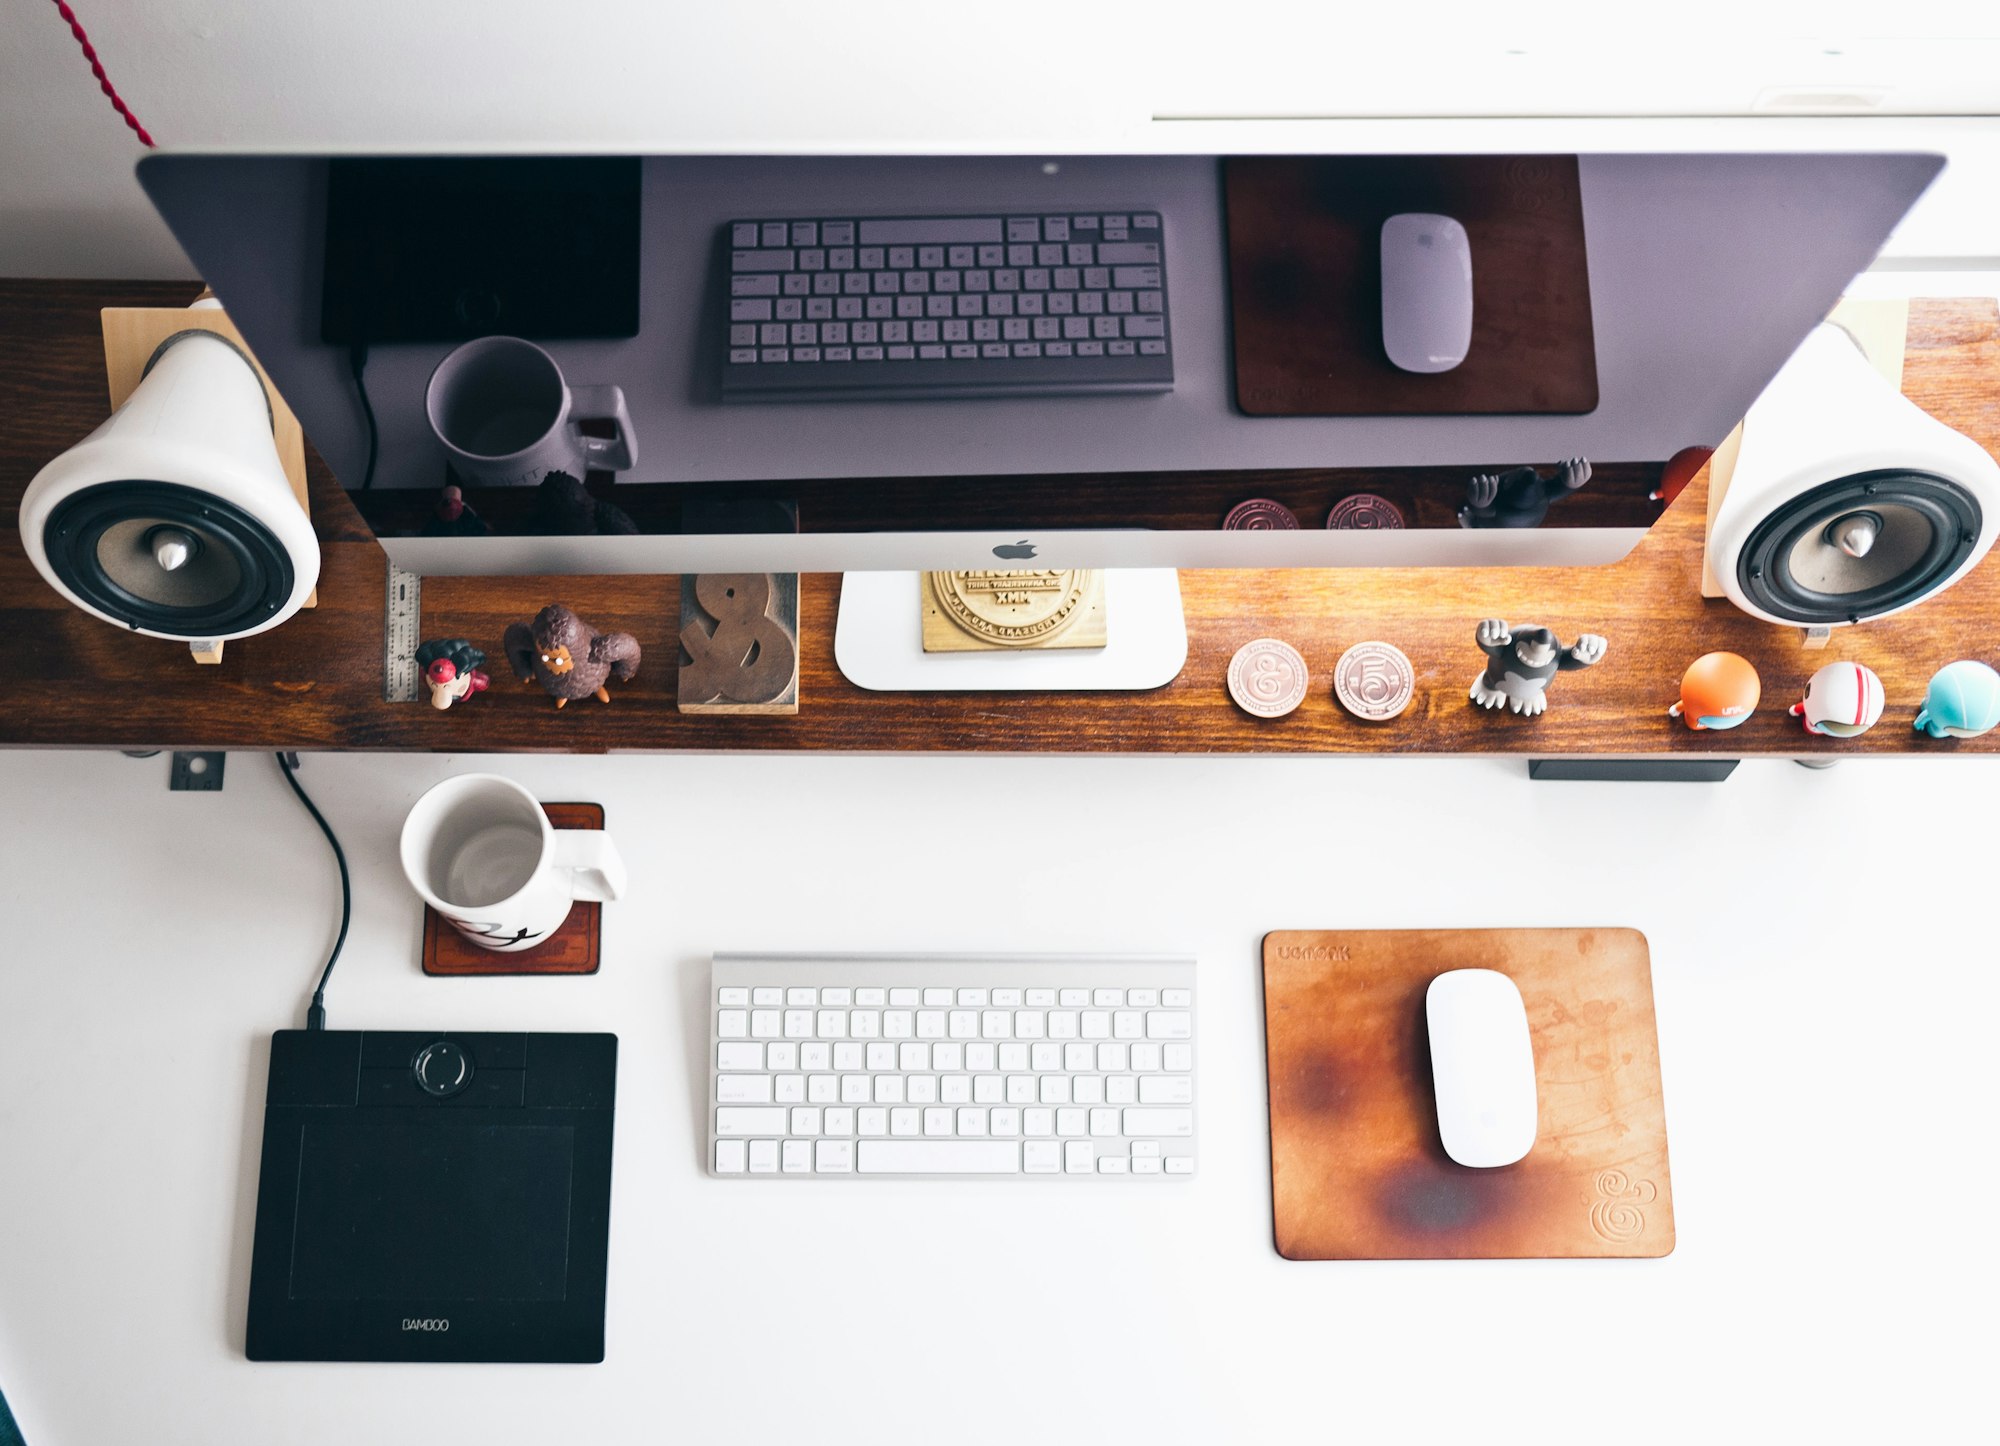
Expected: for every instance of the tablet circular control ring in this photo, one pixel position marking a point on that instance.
(442, 1069)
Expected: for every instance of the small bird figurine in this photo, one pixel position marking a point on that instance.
(568, 657)
(451, 670)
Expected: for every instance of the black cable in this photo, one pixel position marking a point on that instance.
(357, 362)
(316, 1011)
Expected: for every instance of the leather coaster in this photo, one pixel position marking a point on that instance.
(572, 949)
(1357, 1169)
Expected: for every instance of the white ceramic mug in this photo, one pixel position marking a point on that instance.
(479, 850)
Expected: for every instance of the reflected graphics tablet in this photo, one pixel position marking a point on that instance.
(433, 1197)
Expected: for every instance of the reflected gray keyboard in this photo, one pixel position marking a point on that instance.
(1011, 1065)
(913, 307)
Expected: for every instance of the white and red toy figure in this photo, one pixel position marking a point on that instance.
(451, 670)
(1843, 700)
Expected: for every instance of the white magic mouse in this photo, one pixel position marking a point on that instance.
(1426, 291)
(1483, 1067)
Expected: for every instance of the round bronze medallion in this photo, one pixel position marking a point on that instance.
(1365, 512)
(1260, 514)
(1013, 609)
(1374, 681)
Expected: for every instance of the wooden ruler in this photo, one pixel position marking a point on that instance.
(402, 617)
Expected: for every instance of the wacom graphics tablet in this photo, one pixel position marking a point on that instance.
(433, 1197)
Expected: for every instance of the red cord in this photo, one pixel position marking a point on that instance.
(97, 69)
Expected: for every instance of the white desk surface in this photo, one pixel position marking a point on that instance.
(1822, 958)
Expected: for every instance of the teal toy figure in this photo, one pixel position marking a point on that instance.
(1963, 701)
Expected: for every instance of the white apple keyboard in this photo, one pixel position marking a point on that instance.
(925, 1065)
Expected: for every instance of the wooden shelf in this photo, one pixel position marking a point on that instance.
(316, 682)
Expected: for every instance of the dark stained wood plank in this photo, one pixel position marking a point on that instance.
(316, 682)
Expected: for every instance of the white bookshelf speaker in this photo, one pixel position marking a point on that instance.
(176, 518)
(1847, 501)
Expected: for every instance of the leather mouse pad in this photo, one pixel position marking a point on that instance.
(1305, 285)
(1357, 1169)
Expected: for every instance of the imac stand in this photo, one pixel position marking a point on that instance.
(879, 645)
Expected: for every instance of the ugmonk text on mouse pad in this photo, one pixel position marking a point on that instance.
(1357, 1169)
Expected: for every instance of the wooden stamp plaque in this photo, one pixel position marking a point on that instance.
(1357, 1169)
(572, 949)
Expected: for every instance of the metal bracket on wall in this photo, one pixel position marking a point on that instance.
(1632, 770)
(196, 772)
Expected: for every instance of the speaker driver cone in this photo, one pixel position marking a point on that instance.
(1859, 546)
(168, 558)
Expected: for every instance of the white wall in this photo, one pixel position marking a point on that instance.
(1026, 75)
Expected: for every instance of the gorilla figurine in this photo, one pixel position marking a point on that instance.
(1521, 497)
(1519, 665)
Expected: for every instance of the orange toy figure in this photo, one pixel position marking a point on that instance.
(1719, 690)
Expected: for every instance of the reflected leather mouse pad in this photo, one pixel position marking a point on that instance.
(1357, 1169)
(1305, 285)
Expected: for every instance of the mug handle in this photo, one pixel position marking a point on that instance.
(596, 869)
(604, 404)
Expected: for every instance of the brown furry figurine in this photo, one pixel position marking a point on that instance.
(568, 657)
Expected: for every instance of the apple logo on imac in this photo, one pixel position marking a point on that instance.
(1010, 551)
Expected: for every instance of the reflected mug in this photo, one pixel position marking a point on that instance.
(504, 414)
(478, 849)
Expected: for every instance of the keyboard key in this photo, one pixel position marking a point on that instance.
(971, 1121)
(763, 1157)
(1042, 1157)
(781, 1055)
(1112, 1165)
(955, 1089)
(767, 996)
(1035, 998)
(1024, 228)
(836, 233)
(1087, 1089)
(1180, 1057)
(1118, 253)
(805, 1120)
(1165, 1123)
(1127, 1024)
(1169, 1024)
(1145, 1057)
(1079, 1157)
(743, 233)
(791, 1089)
(1005, 1121)
(743, 1089)
(1180, 1164)
(739, 1056)
(798, 1157)
(833, 1157)
(1104, 1122)
(859, 1089)
(871, 998)
(732, 1023)
(1144, 325)
(871, 1121)
(937, 1121)
(1152, 346)
(888, 1089)
(1071, 1121)
(903, 998)
(903, 1121)
(1122, 1089)
(746, 1121)
(1166, 1089)
(1145, 1166)
(732, 1157)
(921, 1089)
(760, 261)
(1038, 1122)
(1111, 1056)
(838, 1120)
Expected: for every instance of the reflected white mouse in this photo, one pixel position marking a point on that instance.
(1483, 1067)
(1426, 291)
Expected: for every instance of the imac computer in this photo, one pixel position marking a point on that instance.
(1036, 361)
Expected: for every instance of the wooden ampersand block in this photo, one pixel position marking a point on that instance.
(739, 643)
